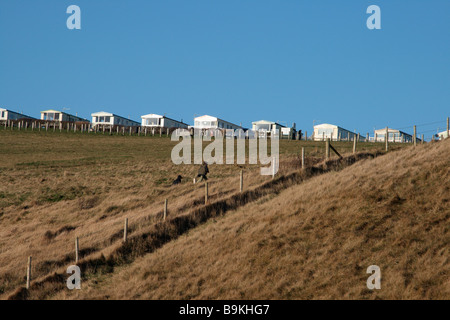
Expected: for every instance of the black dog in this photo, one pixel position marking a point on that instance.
(177, 180)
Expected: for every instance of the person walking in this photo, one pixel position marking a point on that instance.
(202, 172)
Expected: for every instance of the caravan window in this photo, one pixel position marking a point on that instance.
(3, 114)
(264, 127)
(104, 119)
(152, 121)
(327, 132)
(49, 116)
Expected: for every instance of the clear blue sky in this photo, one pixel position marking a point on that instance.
(240, 60)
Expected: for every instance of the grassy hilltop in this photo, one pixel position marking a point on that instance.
(307, 234)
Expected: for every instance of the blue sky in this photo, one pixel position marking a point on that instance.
(240, 60)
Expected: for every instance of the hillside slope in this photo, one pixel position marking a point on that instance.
(312, 241)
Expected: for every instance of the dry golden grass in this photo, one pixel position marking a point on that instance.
(59, 186)
(312, 241)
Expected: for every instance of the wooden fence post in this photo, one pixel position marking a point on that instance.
(448, 127)
(306, 135)
(327, 148)
(77, 248)
(206, 192)
(29, 272)
(241, 183)
(354, 145)
(165, 209)
(386, 139)
(273, 167)
(303, 158)
(415, 136)
(422, 139)
(160, 132)
(125, 230)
